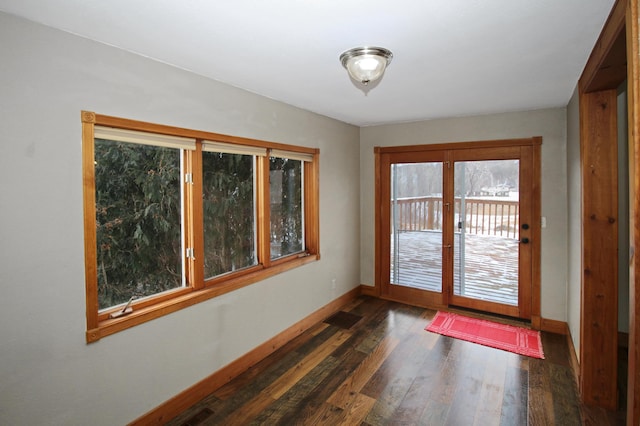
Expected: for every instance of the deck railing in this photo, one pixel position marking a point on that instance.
(484, 216)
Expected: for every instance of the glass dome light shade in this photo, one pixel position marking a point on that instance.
(366, 64)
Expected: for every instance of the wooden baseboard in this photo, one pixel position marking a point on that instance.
(623, 339)
(368, 290)
(554, 326)
(575, 364)
(185, 399)
(536, 322)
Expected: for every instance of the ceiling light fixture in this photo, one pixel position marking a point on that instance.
(366, 64)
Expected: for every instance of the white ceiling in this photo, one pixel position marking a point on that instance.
(451, 57)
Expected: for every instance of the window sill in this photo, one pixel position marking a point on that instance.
(148, 313)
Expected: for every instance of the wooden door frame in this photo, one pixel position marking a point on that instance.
(527, 177)
(633, 93)
(382, 216)
(397, 293)
(614, 58)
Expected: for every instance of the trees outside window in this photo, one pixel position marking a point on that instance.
(138, 220)
(172, 218)
(286, 206)
(229, 212)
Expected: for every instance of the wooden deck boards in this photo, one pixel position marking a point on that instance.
(491, 265)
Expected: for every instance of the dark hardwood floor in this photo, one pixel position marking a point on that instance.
(375, 365)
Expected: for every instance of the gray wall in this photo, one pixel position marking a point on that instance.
(548, 123)
(48, 374)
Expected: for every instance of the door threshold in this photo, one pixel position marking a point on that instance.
(504, 319)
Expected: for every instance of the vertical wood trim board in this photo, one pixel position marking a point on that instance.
(599, 298)
(633, 94)
(376, 220)
(536, 231)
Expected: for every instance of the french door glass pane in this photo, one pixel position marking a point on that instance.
(416, 225)
(486, 234)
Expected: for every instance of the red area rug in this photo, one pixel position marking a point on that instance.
(518, 340)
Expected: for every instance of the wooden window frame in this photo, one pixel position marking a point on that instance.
(197, 289)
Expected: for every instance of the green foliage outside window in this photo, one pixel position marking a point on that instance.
(286, 206)
(138, 211)
(229, 213)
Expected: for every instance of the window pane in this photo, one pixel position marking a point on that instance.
(229, 212)
(417, 212)
(286, 206)
(138, 220)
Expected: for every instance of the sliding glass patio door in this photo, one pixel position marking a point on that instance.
(456, 226)
(416, 225)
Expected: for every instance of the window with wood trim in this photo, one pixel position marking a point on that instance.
(176, 216)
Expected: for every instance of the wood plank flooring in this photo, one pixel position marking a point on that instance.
(384, 369)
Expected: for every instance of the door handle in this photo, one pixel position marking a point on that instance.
(525, 240)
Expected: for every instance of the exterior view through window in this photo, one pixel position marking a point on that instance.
(138, 220)
(458, 224)
(416, 184)
(487, 234)
(286, 206)
(229, 212)
(486, 228)
(176, 216)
